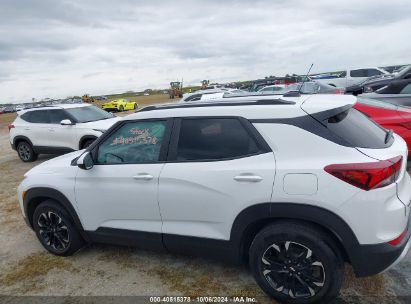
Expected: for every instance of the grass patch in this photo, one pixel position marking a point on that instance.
(32, 267)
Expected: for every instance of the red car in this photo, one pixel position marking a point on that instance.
(389, 116)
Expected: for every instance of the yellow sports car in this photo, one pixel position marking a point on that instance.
(119, 105)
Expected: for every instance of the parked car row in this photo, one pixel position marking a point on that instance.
(372, 84)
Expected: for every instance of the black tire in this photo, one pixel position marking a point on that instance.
(87, 143)
(25, 152)
(55, 229)
(307, 260)
(121, 109)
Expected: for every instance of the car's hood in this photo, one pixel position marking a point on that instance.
(99, 124)
(55, 165)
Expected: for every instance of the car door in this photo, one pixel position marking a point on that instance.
(120, 191)
(38, 129)
(216, 168)
(62, 136)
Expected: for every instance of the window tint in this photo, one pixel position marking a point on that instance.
(214, 139)
(56, 116)
(347, 125)
(373, 72)
(133, 143)
(88, 113)
(40, 116)
(365, 73)
(406, 89)
(358, 73)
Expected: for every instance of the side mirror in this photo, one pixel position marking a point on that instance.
(85, 161)
(66, 122)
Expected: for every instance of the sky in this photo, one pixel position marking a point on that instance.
(59, 48)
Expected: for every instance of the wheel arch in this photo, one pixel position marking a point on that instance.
(20, 138)
(252, 219)
(84, 138)
(35, 196)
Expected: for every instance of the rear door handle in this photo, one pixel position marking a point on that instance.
(27, 129)
(143, 176)
(51, 130)
(248, 178)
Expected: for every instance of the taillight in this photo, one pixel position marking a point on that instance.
(368, 176)
(11, 127)
(338, 91)
(398, 239)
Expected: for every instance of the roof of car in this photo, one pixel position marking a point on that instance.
(57, 106)
(252, 106)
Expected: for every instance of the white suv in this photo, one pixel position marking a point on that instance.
(57, 129)
(295, 186)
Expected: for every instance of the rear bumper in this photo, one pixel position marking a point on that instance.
(369, 260)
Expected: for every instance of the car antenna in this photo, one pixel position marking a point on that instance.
(298, 93)
(306, 76)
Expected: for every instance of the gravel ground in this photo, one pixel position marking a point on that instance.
(27, 269)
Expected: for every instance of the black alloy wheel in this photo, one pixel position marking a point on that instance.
(293, 269)
(54, 231)
(297, 263)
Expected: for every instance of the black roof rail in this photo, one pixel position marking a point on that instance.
(218, 104)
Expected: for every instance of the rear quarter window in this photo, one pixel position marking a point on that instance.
(358, 130)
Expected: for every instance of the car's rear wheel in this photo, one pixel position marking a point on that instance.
(26, 152)
(294, 263)
(55, 229)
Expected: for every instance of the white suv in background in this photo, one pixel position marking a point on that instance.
(352, 77)
(57, 129)
(287, 184)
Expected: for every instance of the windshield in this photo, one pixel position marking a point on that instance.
(88, 113)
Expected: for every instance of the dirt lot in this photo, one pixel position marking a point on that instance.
(27, 269)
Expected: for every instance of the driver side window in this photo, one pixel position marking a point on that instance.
(133, 143)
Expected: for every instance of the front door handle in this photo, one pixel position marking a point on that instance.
(143, 176)
(51, 130)
(248, 178)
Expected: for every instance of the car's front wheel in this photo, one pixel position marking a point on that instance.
(26, 152)
(294, 263)
(55, 229)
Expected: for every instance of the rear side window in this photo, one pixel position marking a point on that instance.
(373, 72)
(214, 139)
(40, 116)
(358, 73)
(355, 128)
